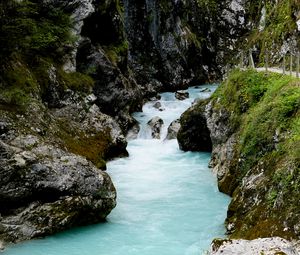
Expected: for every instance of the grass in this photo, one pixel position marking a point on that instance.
(265, 109)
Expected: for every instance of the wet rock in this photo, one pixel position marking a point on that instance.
(133, 132)
(266, 246)
(117, 94)
(44, 190)
(155, 125)
(205, 90)
(194, 134)
(157, 105)
(173, 129)
(181, 94)
(1, 246)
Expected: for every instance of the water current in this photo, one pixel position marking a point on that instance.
(168, 201)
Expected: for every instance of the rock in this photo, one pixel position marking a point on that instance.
(1, 246)
(196, 100)
(205, 90)
(173, 129)
(157, 105)
(4, 127)
(50, 191)
(266, 246)
(194, 134)
(117, 94)
(181, 94)
(155, 125)
(133, 132)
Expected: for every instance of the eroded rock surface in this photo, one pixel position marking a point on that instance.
(155, 124)
(266, 246)
(44, 189)
(181, 94)
(194, 134)
(173, 130)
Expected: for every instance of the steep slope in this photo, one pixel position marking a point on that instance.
(253, 121)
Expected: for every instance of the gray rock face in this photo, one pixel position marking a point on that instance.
(181, 94)
(194, 134)
(133, 132)
(173, 130)
(266, 246)
(44, 189)
(155, 125)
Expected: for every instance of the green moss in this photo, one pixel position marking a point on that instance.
(93, 147)
(115, 53)
(18, 85)
(280, 24)
(75, 81)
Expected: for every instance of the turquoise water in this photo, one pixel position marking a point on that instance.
(168, 202)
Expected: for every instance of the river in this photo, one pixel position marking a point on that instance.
(168, 201)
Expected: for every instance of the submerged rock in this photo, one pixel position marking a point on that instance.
(155, 125)
(157, 105)
(181, 94)
(205, 90)
(266, 246)
(173, 129)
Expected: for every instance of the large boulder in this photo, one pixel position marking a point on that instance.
(44, 189)
(266, 246)
(194, 134)
(155, 125)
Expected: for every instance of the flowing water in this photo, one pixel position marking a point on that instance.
(168, 202)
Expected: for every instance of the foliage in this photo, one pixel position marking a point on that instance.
(266, 110)
(33, 28)
(279, 25)
(263, 106)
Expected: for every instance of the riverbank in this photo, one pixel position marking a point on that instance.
(164, 203)
(253, 123)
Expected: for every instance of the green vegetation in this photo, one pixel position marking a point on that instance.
(34, 38)
(265, 114)
(33, 29)
(115, 53)
(265, 109)
(278, 25)
(92, 147)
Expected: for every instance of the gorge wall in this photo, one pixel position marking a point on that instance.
(71, 72)
(253, 123)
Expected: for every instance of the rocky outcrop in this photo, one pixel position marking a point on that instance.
(266, 246)
(44, 189)
(250, 153)
(155, 125)
(186, 41)
(50, 161)
(173, 130)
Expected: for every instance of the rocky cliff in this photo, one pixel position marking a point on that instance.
(71, 72)
(253, 123)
